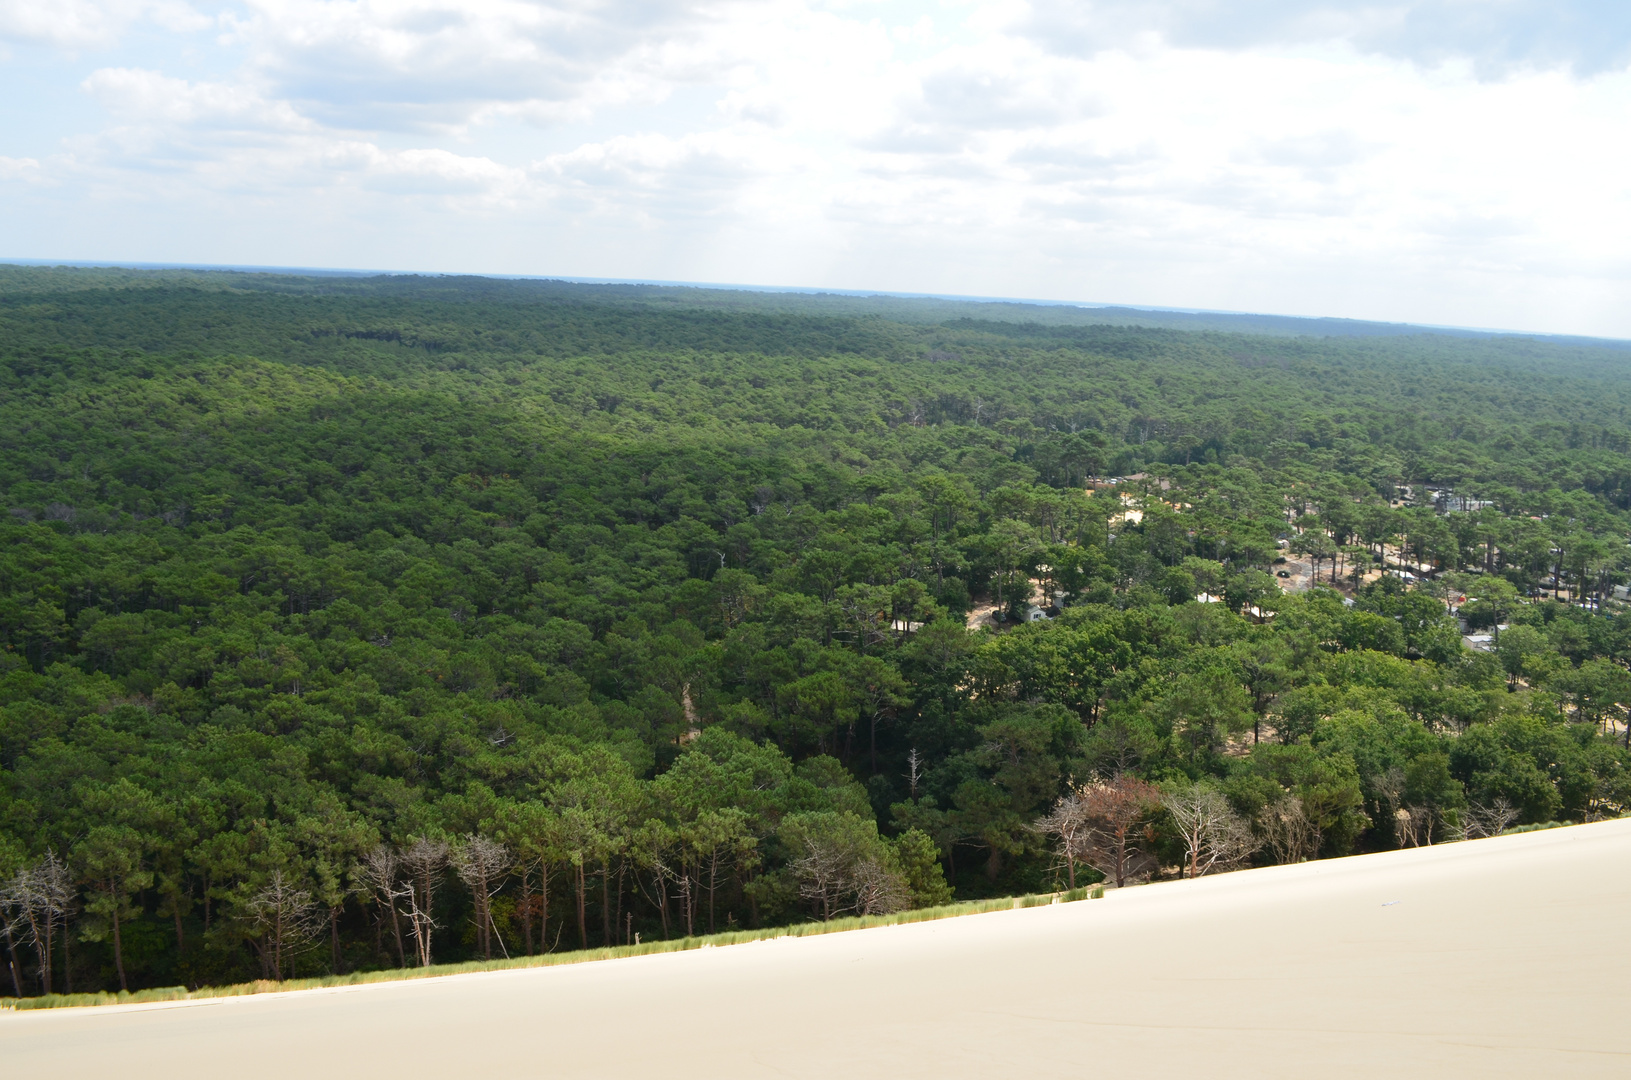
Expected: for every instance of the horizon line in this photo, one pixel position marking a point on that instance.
(806, 290)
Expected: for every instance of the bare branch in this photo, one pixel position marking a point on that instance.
(422, 863)
(1288, 832)
(1214, 836)
(482, 865)
(1478, 821)
(286, 920)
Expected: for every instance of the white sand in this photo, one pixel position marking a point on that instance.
(1504, 957)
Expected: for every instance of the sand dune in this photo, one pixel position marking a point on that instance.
(1505, 957)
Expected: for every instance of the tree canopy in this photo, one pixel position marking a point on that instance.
(353, 621)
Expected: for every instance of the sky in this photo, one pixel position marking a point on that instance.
(1458, 162)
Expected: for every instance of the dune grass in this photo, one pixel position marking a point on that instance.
(1539, 827)
(579, 956)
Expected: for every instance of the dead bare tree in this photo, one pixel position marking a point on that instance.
(1117, 808)
(878, 889)
(1390, 790)
(1069, 823)
(1479, 821)
(1098, 824)
(285, 918)
(837, 876)
(1288, 832)
(1413, 825)
(422, 863)
(40, 898)
(822, 873)
(381, 875)
(482, 865)
(914, 771)
(1214, 836)
(11, 920)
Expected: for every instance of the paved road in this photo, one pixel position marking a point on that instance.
(1497, 958)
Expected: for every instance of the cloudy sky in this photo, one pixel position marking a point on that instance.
(1464, 162)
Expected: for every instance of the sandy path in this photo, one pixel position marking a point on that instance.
(1495, 958)
(1302, 575)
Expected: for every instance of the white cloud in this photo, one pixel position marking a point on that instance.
(232, 137)
(429, 172)
(444, 63)
(150, 97)
(73, 24)
(19, 169)
(656, 181)
(1318, 159)
(1587, 35)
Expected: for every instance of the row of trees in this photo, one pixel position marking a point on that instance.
(732, 834)
(1119, 827)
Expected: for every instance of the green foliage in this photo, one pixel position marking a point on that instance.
(919, 861)
(668, 590)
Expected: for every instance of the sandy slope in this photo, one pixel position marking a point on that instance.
(1504, 957)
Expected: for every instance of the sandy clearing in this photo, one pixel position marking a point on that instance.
(1494, 958)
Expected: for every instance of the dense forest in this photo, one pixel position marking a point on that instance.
(364, 622)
